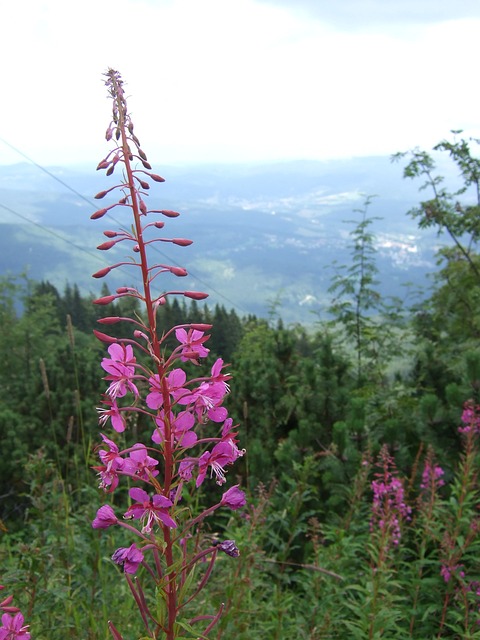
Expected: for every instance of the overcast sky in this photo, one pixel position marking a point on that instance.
(238, 80)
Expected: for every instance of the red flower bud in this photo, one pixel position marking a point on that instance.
(195, 295)
(104, 300)
(102, 272)
(201, 327)
(169, 214)
(110, 234)
(103, 337)
(159, 224)
(109, 320)
(182, 242)
(142, 154)
(106, 245)
(143, 206)
(157, 178)
(178, 271)
(98, 214)
(102, 194)
(146, 164)
(103, 164)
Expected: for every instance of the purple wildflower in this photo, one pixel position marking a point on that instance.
(229, 547)
(121, 369)
(150, 510)
(192, 344)
(389, 507)
(13, 628)
(105, 518)
(130, 557)
(234, 498)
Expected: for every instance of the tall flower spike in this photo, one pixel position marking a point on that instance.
(153, 388)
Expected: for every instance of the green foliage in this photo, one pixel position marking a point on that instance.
(358, 307)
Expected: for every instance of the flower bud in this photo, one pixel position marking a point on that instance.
(157, 178)
(109, 320)
(101, 273)
(110, 234)
(106, 245)
(10, 610)
(103, 337)
(178, 271)
(195, 295)
(104, 300)
(98, 214)
(101, 194)
(182, 242)
(169, 214)
(103, 164)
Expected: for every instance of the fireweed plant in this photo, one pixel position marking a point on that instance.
(191, 438)
(12, 627)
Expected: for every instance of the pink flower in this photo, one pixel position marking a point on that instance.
(113, 413)
(389, 508)
(432, 476)
(105, 518)
(141, 465)
(218, 376)
(175, 381)
(206, 400)
(221, 455)
(234, 498)
(113, 465)
(13, 628)
(150, 510)
(121, 370)
(180, 428)
(192, 344)
(470, 418)
(130, 557)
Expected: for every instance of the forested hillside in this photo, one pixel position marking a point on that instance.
(361, 436)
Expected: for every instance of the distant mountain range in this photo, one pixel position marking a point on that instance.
(263, 235)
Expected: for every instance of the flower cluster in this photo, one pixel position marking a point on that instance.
(190, 437)
(12, 627)
(388, 508)
(470, 418)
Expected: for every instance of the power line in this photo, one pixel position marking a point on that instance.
(110, 216)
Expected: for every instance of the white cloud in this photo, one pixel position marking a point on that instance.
(229, 80)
